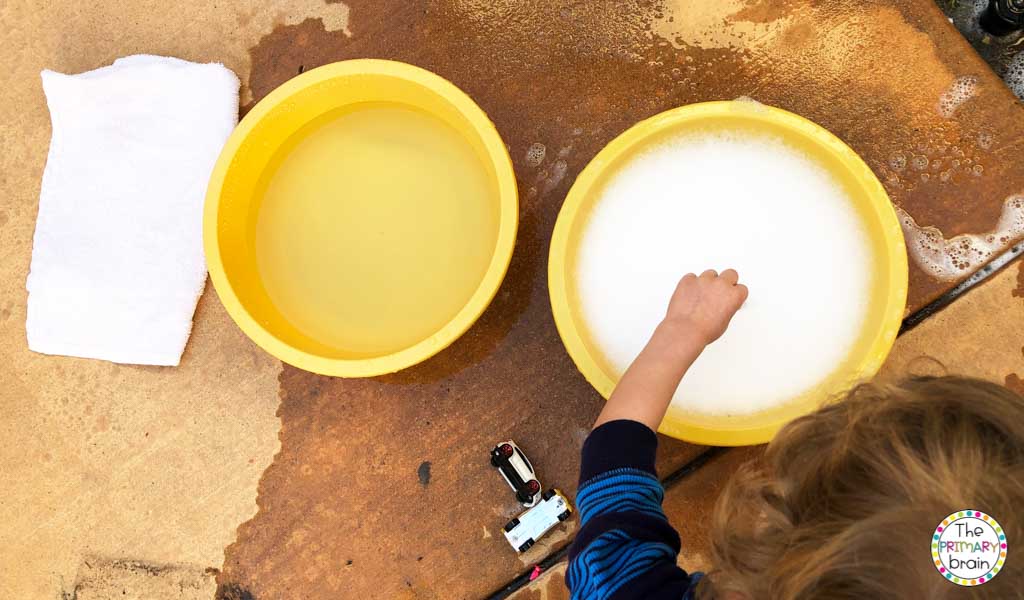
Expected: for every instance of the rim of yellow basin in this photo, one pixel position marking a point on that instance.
(508, 217)
(677, 424)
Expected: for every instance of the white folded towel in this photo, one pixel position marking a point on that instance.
(117, 260)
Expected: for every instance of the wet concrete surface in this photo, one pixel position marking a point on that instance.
(349, 482)
(343, 510)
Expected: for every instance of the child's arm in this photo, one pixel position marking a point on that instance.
(625, 545)
(698, 314)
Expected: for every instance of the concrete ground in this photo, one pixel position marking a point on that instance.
(233, 475)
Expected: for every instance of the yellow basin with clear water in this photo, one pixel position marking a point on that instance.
(360, 218)
(889, 261)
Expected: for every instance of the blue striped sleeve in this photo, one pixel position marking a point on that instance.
(625, 547)
(610, 562)
(620, 490)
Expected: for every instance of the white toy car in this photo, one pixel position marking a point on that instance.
(517, 471)
(524, 531)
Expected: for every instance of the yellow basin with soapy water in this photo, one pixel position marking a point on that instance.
(887, 298)
(360, 218)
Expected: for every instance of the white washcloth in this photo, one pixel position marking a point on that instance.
(117, 260)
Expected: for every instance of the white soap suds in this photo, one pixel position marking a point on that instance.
(951, 259)
(557, 174)
(747, 99)
(535, 154)
(747, 202)
(973, 20)
(1014, 76)
(898, 161)
(960, 91)
(986, 139)
(752, 104)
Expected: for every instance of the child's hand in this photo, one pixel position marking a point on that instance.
(706, 304)
(698, 314)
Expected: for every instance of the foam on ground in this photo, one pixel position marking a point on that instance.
(535, 154)
(1014, 76)
(960, 256)
(960, 91)
(729, 200)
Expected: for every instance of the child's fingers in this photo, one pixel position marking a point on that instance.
(730, 276)
(743, 293)
(687, 280)
(709, 274)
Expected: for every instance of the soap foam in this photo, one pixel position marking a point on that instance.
(1014, 75)
(966, 16)
(535, 154)
(737, 200)
(951, 259)
(960, 91)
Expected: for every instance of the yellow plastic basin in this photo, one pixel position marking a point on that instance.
(887, 299)
(360, 218)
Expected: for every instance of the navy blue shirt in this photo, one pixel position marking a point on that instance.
(625, 547)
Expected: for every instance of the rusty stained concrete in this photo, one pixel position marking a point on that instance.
(345, 485)
(345, 511)
(549, 585)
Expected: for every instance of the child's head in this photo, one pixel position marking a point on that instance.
(848, 498)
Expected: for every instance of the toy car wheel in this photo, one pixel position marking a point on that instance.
(547, 495)
(511, 525)
(524, 496)
(506, 450)
(565, 515)
(494, 461)
(526, 545)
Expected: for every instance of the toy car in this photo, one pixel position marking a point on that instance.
(524, 531)
(517, 471)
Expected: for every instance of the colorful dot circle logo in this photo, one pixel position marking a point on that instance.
(969, 548)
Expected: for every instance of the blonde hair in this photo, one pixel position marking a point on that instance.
(846, 499)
